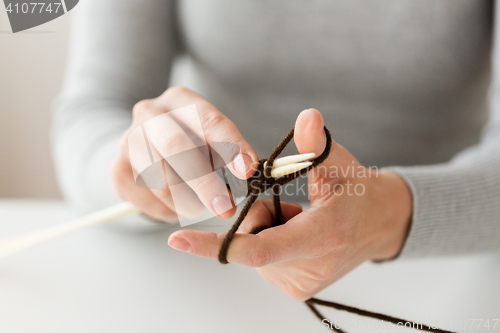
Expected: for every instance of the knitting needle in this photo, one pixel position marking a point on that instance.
(289, 164)
(287, 169)
(281, 167)
(106, 215)
(287, 160)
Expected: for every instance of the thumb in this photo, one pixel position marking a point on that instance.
(309, 135)
(274, 245)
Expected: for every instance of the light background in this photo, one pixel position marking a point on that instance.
(31, 71)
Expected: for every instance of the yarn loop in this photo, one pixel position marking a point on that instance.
(260, 182)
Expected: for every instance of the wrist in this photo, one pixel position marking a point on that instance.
(395, 211)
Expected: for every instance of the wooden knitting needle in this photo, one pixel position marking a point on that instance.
(287, 169)
(106, 215)
(289, 164)
(281, 167)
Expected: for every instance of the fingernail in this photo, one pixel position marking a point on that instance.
(180, 244)
(242, 164)
(221, 204)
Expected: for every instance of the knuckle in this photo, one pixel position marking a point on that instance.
(203, 185)
(297, 294)
(259, 258)
(212, 120)
(170, 142)
(175, 91)
(304, 288)
(335, 244)
(217, 124)
(321, 273)
(141, 107)
(321, 250)
(288, 287)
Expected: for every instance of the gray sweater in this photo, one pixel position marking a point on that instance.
(401, 83)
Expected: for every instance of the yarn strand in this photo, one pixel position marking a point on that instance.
(310, 302)
(321, 317)
(262, 181)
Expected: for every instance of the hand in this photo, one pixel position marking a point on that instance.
(170, 138)
(353, 218)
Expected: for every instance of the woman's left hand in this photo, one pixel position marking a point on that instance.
(356, 214)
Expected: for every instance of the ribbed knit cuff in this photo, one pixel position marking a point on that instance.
(456, 208)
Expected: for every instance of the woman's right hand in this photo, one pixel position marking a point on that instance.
(206, 192)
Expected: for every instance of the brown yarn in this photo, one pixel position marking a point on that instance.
(262, 181)
(310, 303)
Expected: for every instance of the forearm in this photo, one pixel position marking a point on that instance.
(121, 52)
(83, 152)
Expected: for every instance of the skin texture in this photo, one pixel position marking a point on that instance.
(337, 233)
(158, 204)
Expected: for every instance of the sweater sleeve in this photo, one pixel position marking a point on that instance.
(456, 205)
(120, 53)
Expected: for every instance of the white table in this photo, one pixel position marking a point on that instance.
(123, 277)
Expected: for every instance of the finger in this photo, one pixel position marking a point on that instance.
(131, 143)
(262, 214)
(162, 138)
(274, 245)
(170, 140)
(309, 135)
(216, 128)
(186, 204)
(142, 198)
